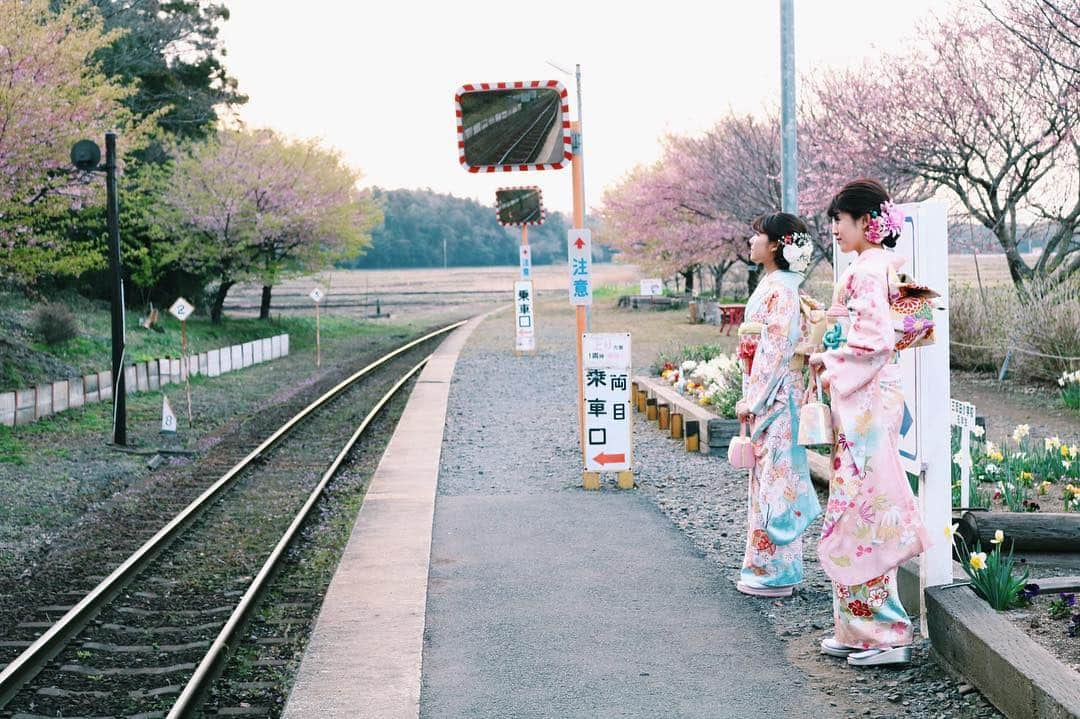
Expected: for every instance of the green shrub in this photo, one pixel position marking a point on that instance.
(54, 323)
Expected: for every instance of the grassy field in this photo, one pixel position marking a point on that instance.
(24, 360)
(409, 296)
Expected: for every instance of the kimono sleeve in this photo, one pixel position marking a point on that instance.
(871, 340)
(774, 350)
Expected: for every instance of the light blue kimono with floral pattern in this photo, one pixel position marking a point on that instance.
(782, 502)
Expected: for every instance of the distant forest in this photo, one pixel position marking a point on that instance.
(419, 224)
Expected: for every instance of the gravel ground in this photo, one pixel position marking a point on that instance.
(702, 496)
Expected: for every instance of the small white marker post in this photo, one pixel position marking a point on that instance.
(168, 419)
(317, 295)
(181, 310)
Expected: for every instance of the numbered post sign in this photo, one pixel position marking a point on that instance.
(181, 309)
(579, 252)
(652, 287)
(962, 415)
(317, 295)
(608, 415)
(525, 330)
(168, 419)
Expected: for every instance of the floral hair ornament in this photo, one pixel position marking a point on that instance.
(884, 223)
(797, 249)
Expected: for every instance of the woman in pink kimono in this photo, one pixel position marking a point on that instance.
(871, 523)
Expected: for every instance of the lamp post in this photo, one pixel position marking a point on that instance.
(85, 155)
(789, 155)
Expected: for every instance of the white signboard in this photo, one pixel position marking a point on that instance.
(317, 295)
(579, 251)
(652, 287)
(181, 309)
(526, 263)
(608, 416)
(962, 415)
(924, 429)
(525, 320)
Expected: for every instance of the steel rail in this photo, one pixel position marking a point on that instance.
(540, 116)
(213, 661)
(25, 666)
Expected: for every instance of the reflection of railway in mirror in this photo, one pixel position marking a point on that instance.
(518, 206)
(511, 127)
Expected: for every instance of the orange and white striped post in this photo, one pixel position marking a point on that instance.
(589, 480)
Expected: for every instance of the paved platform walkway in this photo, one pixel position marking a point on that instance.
(545, 600)
(541, 599)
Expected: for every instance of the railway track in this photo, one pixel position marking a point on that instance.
(149, 640)
(516, 140)
(525, 148)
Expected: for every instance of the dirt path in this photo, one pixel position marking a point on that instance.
(1007, 404)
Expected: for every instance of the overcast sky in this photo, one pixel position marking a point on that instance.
(378, 84)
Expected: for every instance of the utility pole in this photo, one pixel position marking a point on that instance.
(116, 269)
(789, 153)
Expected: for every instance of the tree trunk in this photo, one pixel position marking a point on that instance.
(688, 276)
(718, 283)
(219, 300)
(1024, 531)
(264, 306)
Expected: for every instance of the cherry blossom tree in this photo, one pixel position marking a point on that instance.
(255, 206)
(51, 94)
(1050, 28)
(976, 113)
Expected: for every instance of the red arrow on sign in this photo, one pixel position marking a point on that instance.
(580, 243)
(603, 458)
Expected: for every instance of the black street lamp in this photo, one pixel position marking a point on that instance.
(85, 155)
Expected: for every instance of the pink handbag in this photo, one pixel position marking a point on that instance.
(815, 419)
(740, 452)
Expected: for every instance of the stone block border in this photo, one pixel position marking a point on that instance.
(1020, 677)
(23, 406)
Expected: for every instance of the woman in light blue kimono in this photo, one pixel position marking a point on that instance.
(782, 502)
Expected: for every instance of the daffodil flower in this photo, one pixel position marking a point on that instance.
(977, 560)
(999, 537)
(951, 531)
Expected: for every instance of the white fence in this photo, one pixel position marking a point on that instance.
(29, 405)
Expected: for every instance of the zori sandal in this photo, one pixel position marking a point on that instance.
(764, 591)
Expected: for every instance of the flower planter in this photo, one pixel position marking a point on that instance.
(721, 432)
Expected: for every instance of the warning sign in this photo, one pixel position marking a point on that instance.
(608, 417)
(579, 253)
(526, 263)
(525, 333)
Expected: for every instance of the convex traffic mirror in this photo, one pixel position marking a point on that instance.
(505, 127)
